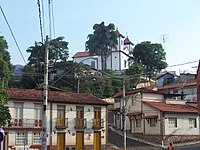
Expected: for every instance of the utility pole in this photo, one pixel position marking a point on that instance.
(45, 93)
(124, 112)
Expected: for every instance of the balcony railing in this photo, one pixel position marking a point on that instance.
(61, 122)
(98, 123)
(25, 123)
(80, 123)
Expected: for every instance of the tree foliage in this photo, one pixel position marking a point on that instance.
(151, 56)
(5, 67)
(33, 72)
(102, 41)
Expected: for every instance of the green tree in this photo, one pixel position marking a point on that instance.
(34, 70)
(102, 41)
(4, 78)
(151, 56)
(58, 51)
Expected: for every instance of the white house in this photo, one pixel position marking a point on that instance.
(74, 121)
(116, 61)
(151, 112)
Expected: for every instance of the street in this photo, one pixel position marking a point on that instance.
(116, 139)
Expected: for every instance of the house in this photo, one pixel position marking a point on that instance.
(116, 61)
(154, 113)
(74, 120)
(165, 78)
(188, 88)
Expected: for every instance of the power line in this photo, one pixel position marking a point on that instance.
(40, 21)
(53, 21)
(43, 16)
(49, 8)
(12, 34)
(183, 63)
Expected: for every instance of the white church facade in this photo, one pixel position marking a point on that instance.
(116, 61)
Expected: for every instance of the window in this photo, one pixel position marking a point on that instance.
(18, 110)
(138, 122)
(133, 100)
(38, 111)
(36, 138)
(93, 64)
(153, 122)
(172, 122)
(21, 138)
(193, 122)
(125, 63)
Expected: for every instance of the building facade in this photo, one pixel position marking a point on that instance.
(151, 112)
(116, 61)
(74, 121)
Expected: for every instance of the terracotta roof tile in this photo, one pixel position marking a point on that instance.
(81, 54)
(180, 108)
(54, 96)
(140, 90)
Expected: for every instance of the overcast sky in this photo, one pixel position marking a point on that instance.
(141, 20)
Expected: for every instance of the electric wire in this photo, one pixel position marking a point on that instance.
(53, 19)
(43, 13)
(40, 21)
(49, 9)
(12, 34)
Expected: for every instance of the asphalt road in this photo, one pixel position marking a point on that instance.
(190, 147)
(116, 139)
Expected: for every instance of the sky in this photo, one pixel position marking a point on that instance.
(141, 20)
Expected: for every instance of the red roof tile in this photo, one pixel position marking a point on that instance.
(140, 90)
(179, 84)
(180, 108)
(81, 54)
(54, 96)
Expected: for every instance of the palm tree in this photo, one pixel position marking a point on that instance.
(102, 41)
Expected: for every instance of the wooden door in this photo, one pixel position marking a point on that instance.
(79, 141)
(61, 116)
(97, 117)
(61, 141)
(79, 117)
(97, 140)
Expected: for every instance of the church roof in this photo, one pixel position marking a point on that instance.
(81, 54)
(127, 41)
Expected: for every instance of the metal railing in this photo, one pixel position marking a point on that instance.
(80, 123)
(98, 123)
(25, 123)
(61, 122)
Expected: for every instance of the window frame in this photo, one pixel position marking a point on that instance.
(22, 138)
(173, 122)
(192, 122)
(36, 138)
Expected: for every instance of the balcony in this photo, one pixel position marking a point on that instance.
(61, 123)
(25, 123)
(98, 123)
(80, 123)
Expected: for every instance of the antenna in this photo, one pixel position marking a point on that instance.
(164, 39)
